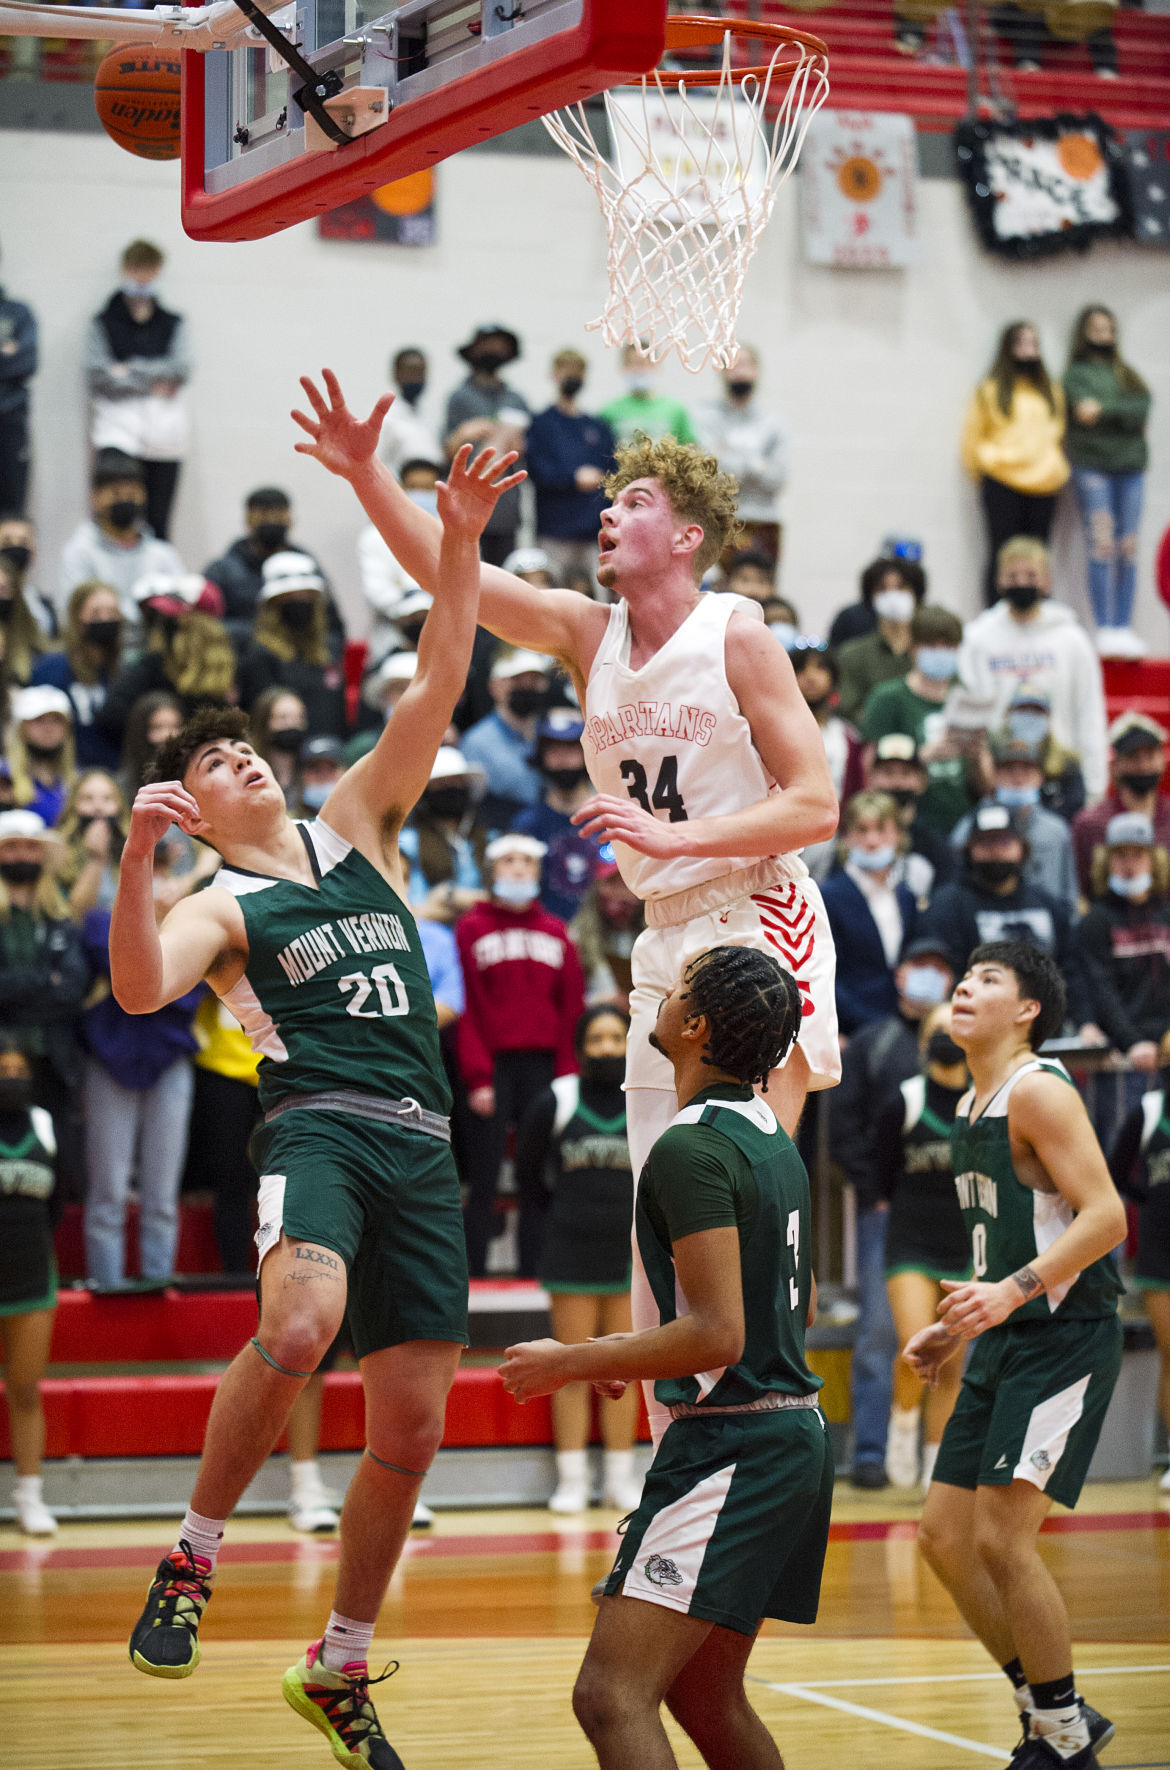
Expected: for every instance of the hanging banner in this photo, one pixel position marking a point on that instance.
(398, 214)
(858, 198)
(683, 147)
(1147, 171)
(1050, 184)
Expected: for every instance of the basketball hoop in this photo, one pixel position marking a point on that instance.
(690, 179)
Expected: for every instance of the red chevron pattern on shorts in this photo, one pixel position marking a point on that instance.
(788, 922)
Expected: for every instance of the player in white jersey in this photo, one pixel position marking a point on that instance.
(711, 770)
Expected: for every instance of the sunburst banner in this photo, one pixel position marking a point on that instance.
(858, 198)
(1048, 184)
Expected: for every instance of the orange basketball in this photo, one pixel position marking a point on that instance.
(136, 96)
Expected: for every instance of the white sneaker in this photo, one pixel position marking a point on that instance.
(312, 1515)
(1128, 643)
(621, 1488)
(572, 1492)
(32, 1514)
(1164, 1484)
(902, 1464)
(1107, 642)
(423, 1517)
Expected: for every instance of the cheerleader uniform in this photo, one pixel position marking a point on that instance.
(575, 1134)
(28, 1271)
(925, 1232)
(1145, 1133)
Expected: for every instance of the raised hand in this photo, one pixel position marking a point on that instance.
(155, 809)
(341, 441)
(471, 491)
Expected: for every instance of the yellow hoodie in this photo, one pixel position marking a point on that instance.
(1020, 448)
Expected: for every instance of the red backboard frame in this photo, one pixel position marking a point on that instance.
(614, 41)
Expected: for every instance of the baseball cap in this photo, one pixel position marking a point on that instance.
(414, 602)
(283, 572)
(927, 947)
(519, 663)
(1135, 731)
(33, 703)
(179, 593)
(452, 764)
(1031, 697)
(26, 825)
(528, 559)
(515, 843)
(322, 749)
(1129, 829)
(896, 746)
(991, 820)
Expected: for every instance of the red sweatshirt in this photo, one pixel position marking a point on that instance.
(525, 990)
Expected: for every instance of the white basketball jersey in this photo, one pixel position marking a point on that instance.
(672, 737)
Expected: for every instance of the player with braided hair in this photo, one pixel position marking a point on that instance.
(734, 1516)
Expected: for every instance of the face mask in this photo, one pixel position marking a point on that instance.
(315, 793)
(1141, 784)
(1130, 887)
(271, 535)
(607, 1072)
(297, 616)
(937, 662)
(994, 872)
(20, 872)
(524, 702)
(1017, 798)
(125, 513)
(7, 603)
(487, 361)
(411, 391)
(741, 389)
(785, 633)
(1102, 353)
(815, 706)
(43, 752)
(942, 1049)
(1022, 597)
(924, 986)
(449, 802)
(426, 497)
(1030, 728)
(288, 740)
(140, 291)
(105, 634)
(565, 779)
(638, 381)
(516, 893)
(15, 1093)
(873, 860)
(571, 385)
(903, 797)
(19, 558)
(894, 605)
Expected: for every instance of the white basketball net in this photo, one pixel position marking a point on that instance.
(687, 194)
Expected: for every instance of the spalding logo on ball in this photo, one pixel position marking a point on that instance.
(136, 95)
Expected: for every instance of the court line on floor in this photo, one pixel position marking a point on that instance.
(959, 1677)
(807, 1694)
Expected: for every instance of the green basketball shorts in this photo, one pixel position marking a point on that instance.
(734, 1520)
(384, 1198)
(1031, 1406)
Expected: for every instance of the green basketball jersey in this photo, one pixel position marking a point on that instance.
(724, 1161)
(336, 992)
(1010, 1223)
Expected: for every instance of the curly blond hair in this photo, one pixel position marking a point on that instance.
(693, 482)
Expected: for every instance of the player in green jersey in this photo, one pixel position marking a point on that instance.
(305, 934)
(734, 1516)
(1043, 1216)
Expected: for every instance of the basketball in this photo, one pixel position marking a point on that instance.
(136, 96)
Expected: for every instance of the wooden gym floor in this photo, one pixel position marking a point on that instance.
(489, 1614)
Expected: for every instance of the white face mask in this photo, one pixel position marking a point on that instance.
(894, 605)
(924, 985)
(785, 633)
(873, 860)
(1136, 887)
(516, 893)
(639, 381)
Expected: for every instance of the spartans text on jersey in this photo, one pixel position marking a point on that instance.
(317, 947)
(648, 719)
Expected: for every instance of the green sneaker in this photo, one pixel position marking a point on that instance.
(338, 1704)
(165, 1642)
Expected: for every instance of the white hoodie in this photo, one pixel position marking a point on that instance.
(1053, 653)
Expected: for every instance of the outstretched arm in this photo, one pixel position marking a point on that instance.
(382, 787)
(557, 622)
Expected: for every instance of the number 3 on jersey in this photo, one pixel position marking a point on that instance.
(665, 797)
(793, 1241)
(391, 993)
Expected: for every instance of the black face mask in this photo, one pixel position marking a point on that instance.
(1100, 352)
(487, 361)
(565, 779)
(272, 536)
(125, 513)
(15, 1093)
(607, 1072)
(411, 391)
(1031, 366)
(571, 385)
(104, 634)
(822, 700)
(43, 752)
(7, 604)
(1022, 596)
(83, 822)
(942, 1049)
(524, 702)
(289, 739)
(740, 389)
(19, 558)
(20, 872)
(902, 796)
(297, 616)
(449, 802)
(1140, 784)
(994, 872)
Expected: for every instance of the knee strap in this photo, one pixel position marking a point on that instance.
(268, 1359)
(396, 1468)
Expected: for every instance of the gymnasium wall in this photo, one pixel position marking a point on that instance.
(871, 370)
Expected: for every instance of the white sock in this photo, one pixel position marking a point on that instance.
(1023, 1697)
(619, 1466)
(344, 1642)
(306, 1478)
(28, 1488)
(205, 1535)
(572, 1468)
(929, 1457)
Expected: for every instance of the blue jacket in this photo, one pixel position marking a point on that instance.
(136, 1049)
(557, 445)
(18, 327)
(94, 748)
(865, 982)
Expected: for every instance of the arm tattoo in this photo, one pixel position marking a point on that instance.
(1028, 1283)
(317, 1256)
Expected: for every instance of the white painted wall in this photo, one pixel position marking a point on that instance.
(871, 369)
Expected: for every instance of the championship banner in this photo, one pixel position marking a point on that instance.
(858, 197)
(1051, 184)
(1147, 170)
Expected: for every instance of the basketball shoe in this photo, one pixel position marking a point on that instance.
(338, 1705)
(165, 1641)
(1101, 1730)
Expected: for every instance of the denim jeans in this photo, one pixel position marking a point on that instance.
(871, 1371)
(1111, 510)
(142, 1133)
